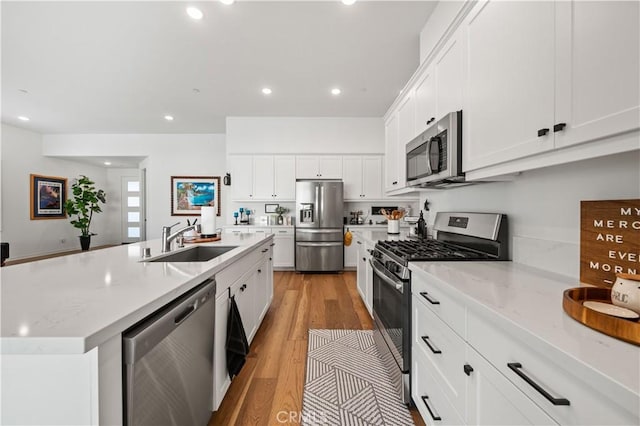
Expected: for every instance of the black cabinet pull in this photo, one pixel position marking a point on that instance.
(394, 183)
(429, 299)
(259, 271)
(364, 259)
(468, 369)
(542, 132)
(559, 127)
(435, 416)
(243, 287)
(435, 350)
(431, 120)
(516, 366)
(265, 250)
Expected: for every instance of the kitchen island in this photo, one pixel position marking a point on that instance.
(62, 321)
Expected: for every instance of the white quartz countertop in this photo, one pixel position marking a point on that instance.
(372, 236)
(71, 304)
(531, 301)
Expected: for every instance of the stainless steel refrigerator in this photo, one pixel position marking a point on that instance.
(319, 229)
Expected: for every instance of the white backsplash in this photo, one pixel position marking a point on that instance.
(543, 206)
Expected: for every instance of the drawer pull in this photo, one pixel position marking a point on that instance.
(429, 299)
(435, 416)
(542, 132)
(265, 250)
(516, 366)
(434, 349)
(468, 369)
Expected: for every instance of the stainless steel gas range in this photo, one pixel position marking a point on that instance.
(459, 237)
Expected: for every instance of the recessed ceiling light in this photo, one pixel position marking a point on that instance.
(348, 2)
(168, 117)
(23, 118)
(195, 13)
(227, 1)
(266, 91)
(335, 91)
(107, 163)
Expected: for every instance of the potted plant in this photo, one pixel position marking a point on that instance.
(281, 210)
(84, 202)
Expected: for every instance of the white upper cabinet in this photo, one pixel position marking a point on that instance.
(391, 154)
(318, 167)
(539, 77)
(284, 179)
(241, 167)
(449, 71)
(425, 104)
(262, 177)
(362, 177)
(407, 119)
(598, 72)
(510, 81)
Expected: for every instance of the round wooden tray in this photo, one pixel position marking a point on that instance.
(620, 328)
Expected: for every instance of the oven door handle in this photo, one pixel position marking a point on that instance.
(380, 273)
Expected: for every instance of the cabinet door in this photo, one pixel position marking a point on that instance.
(263, 177)
(494, 400)
(406, 120)
(425, 94)
(284, 249)
(361, 274)
(510, 81)
(306, 167)
(245, 291)
(241, 167)
(221, 380)
(284, 183)
(372, 177)
(263, 293)
(330, 167)
(352, 177)
(351, 255)
(598, 84)
(391, 152)
(449, 76)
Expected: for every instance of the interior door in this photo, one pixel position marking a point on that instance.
(131, 209)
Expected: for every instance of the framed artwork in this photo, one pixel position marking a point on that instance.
(190, 193)
(48, 194)
(271, 208)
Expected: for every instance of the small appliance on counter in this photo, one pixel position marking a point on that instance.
(356, 218)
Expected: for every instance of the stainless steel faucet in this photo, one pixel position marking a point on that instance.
(167, 237)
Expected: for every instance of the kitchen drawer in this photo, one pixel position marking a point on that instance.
(236, 230)
(229, 275)
(428, 396)
(281, 232)
(441, 301)
(592, 398)
(259, 230)
(444, 350)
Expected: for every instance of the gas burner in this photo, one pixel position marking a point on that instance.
(417, 250)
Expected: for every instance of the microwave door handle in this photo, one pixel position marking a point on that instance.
(434, 168)
(428, 152)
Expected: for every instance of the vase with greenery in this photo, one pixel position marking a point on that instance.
(281, 210)
(84, 202)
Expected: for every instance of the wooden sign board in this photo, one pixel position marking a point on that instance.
(609, 240)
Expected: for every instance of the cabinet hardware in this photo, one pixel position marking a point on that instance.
(394, 182)
(243, 287)
(272, 244)
(543, 132)
(435, 416)
(558, 127)
(516, 366)
(468, 369)
(359, 242)
(435, 350)
(259, 271)
(431, 120)
(265, 250)
(429, 299)
(364, 259)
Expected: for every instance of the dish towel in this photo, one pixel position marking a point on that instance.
(237, 345)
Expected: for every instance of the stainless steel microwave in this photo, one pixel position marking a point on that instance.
(434, 157)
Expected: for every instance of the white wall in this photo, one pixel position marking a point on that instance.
(166, 155)
(304, 135)
(543, 206)
(21, 155)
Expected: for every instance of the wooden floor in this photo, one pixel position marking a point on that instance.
(268, 390)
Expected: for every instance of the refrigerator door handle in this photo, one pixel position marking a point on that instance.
(319, 231)
(316, 206)
(329, 244)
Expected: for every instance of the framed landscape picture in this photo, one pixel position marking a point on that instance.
(190, 193)
(48, 194)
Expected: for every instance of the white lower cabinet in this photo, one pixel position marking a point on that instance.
(284, 251)
(253, 293)
(470, 366)
(494, 400)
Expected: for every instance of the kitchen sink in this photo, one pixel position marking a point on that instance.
(195, 254)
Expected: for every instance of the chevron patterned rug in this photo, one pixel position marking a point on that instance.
(347, 384)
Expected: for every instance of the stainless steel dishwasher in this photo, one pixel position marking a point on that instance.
(168, 362)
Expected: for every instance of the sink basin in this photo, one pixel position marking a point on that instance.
(195, 254)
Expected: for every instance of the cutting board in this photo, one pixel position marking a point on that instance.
(203, 240)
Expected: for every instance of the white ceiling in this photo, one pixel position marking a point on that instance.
(119, 67)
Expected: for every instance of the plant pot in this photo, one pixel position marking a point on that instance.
(85, 242)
